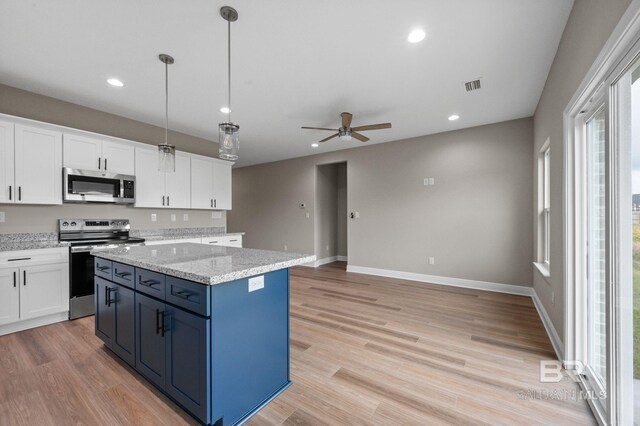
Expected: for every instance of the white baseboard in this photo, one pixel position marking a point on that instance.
(33, 323)
(433, 279)
(556, 342)
(326, 260)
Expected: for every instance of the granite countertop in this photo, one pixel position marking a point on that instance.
(203, 263)
(30, 241)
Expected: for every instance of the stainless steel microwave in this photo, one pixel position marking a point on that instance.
(88, 186)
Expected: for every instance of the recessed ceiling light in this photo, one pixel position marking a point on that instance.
(453, 117)
(416, 36)
(115, 82)
(225, 110)
(315, 145)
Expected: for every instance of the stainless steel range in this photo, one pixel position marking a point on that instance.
(86, 235)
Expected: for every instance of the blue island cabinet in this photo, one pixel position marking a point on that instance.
(220, 351)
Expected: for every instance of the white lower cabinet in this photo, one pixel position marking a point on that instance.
(34, 288)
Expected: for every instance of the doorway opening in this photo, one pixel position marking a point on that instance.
(331, 243)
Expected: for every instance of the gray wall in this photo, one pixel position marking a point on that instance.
(43, 218)
(588, 28)
(475, 221)
(342, 209)
(326, 209)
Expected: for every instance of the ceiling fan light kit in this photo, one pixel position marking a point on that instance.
(228, 132)
(346, 132)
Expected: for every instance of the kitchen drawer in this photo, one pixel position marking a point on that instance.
(151, 283)
(188, 295)
(19, 258)
(104, 268)
(226, 240)
(124, 274)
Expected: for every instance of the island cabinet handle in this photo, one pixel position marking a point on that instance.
(102, 268)
(160, 322)
(183, 294)
(106, 295)
(148, 283)
(109, 300)
(122, 274)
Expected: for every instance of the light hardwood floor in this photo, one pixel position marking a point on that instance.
(364, 351)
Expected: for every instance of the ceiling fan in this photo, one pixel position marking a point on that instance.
(346, 131)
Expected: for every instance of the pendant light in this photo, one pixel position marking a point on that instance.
(228, 133)
(166, 151)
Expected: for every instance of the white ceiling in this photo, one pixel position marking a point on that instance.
(295, 63)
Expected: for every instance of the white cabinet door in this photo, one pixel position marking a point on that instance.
(38, 165)
(118, 158)
(7, 187)
(44, 290)
(149, 181)
(221, 186)
(9, 296)
(177, 184)
(81, 152)
(201, 183)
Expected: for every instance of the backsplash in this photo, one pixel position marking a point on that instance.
(35, 219)
(177, 232)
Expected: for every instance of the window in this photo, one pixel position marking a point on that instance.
(544, 202)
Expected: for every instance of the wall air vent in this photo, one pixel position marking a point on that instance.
(470, 86)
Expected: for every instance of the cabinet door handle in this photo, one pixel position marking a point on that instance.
(19, 193)
(213, 242)
(99, 163)
(106, 295)
(168, 202)
(10, 192)
(215, 203)
(163, 200)
(160, 322)
(212, 203)
(105, 163)
(24, 277)
(14, 279)
(18, 258)
(109, 290)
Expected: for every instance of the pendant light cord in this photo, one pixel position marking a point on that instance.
(166, 103)
(229, 64)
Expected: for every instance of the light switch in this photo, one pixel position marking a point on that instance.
(154, 217)
(185, 217)
(216, 215)
(173, 217)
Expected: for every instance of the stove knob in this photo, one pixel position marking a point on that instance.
(65, 223)
(113, 224)
(73, 224)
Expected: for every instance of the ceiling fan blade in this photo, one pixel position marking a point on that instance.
(330, 137)
(372, 127)
(346, 119)
(319, 128)
(361, 138)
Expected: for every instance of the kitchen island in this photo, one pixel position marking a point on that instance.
(207, 325)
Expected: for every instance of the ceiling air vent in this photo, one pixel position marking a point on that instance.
(470, 86)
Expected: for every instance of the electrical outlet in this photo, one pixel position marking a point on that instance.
(2, 218)
(432, 261)
(308, 215)
(432, 181)
(154, 217)
(357, 215)
(285, 247)
(553, 297)
(216, 215)
(185, 217)
(429, 181)
(326, 247)
(173, 217)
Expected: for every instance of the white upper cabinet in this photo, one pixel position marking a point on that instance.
(149, 181)
(221, 186)
(38, 165)
(210, 183)
(89, 153)
(157, 189)
(177, 184)
(7, 187)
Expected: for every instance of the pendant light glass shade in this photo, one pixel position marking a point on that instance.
(166, 151)
(166, 158)
(228, 133)
(228, 138)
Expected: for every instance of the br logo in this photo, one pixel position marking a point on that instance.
(551, 371)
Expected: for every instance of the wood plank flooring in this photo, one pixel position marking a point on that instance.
(364, 351)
